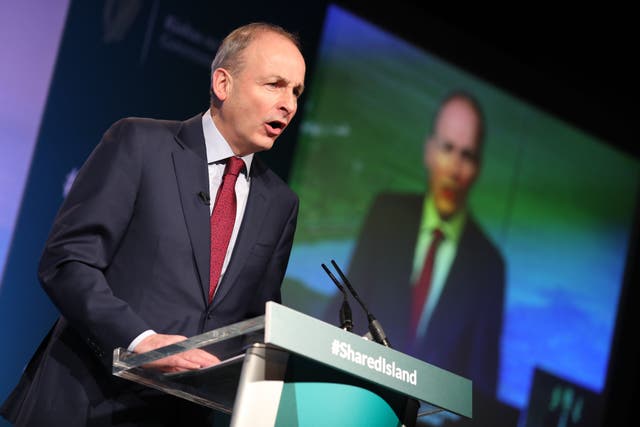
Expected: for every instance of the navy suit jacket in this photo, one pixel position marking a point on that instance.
(129, 251)
(463, 335)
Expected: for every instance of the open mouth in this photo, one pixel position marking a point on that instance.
(448, 193)
(275, 127)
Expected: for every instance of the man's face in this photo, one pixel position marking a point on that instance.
(452, 156)
(261, 98)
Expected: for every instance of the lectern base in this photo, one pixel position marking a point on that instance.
(322, 404)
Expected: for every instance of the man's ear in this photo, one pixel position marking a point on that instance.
(221, 83)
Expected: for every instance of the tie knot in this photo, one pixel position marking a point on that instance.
(234, 166)
(438, 235)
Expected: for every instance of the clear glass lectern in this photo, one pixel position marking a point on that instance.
(289, 369)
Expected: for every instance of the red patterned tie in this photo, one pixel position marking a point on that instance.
(222, 219)
(421, 289)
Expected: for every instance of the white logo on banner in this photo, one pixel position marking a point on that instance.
(380, 364)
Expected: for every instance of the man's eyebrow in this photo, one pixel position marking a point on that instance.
(297, 90)
(442, 142)
(278, 77)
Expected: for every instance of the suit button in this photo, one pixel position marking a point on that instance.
(209, 316)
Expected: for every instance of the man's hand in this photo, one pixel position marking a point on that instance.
(186, 361)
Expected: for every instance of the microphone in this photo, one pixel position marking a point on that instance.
(374, 326)
(204, 196)
(346, 319)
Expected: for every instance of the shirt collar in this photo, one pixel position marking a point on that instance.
(452, 228)
(217, 147)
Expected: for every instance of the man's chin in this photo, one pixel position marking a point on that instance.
(446, 210)
(262, 145)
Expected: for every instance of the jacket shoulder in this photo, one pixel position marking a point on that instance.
(144, 124)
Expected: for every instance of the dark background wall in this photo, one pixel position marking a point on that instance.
(573, 62)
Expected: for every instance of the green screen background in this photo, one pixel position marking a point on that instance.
(558, 202)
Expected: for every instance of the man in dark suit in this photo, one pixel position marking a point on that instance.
(128, 258)
(458, 325)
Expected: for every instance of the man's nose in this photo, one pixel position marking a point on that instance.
(289, 103)
(455, 166)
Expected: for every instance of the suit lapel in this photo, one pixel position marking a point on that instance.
(191, 173)
(257, 203)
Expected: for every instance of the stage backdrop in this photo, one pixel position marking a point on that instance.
(115, 59)
(558, 202)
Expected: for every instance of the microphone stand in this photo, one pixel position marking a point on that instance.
(346, 318)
